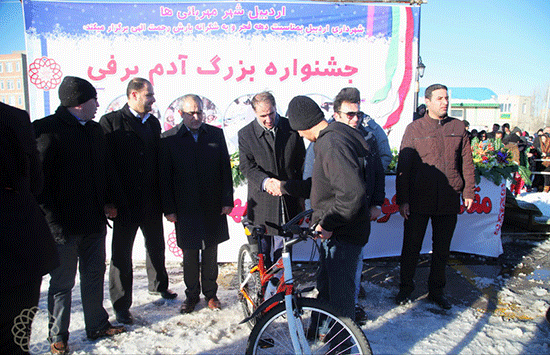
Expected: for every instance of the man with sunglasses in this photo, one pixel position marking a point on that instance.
(133, 136)
(197, 195)
(347, 110)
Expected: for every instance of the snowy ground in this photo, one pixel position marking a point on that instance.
(510, 322)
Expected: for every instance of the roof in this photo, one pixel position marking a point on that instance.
(469, 93)
(475, 104)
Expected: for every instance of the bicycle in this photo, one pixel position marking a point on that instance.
(286, 322)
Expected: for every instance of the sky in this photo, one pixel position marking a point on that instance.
(500, 45)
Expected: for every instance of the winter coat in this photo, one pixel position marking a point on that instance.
(258, 161)
(135, 158)
(28, 249)
(73, 157)
(196, 182)
(347, 180)
(435, 166)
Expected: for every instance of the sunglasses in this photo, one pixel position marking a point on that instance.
(351, 115)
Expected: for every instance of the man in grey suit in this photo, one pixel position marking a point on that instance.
(271, 158)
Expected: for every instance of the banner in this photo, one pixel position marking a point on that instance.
(477, 231)
(225, 52)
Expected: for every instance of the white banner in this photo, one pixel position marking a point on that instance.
(477, 232)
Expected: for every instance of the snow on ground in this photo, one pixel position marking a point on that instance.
(516, 325)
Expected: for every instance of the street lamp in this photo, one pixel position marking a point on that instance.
(420, 67)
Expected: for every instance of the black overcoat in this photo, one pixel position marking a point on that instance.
(75, 174)
(196, 183)
(28, 250)
(135, 159)
(258, 161)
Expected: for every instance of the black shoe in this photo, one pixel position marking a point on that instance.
(188, 305)
(402, 297)
(168, 294)
(440, 300)
(360, 315)
(124, 317)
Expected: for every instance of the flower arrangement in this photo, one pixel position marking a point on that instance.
(493, 161)
(238, 177)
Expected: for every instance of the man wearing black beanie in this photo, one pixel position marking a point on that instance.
(347, 181)
(76, 202)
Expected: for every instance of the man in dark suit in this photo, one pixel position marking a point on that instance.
(271, 158)
(76, 201)
(133, 136)
(28, 250)
(197, 194)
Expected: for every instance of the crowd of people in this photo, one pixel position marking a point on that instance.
(75, 175)
(530, 151)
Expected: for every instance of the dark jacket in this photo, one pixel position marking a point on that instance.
(196, 183)
(258, 161)
(133, 148)
(347, 180)
(28, 250)
(435, 166)
(75, 188)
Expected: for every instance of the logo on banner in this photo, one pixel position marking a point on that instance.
(45, 73)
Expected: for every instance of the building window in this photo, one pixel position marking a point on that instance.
(1, 67)
(3, 99)
(457, 113)
(12, 100)
(2, 85)
(20, 101)
(18, 84)
(524, 108)
(17, 66)
(10, 85)
(9, 67)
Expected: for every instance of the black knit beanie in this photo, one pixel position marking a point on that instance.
(74, 91)
(304, 113)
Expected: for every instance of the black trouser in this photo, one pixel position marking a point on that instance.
(443, 227)
(120, 272)
(17, 300)
(200, 274)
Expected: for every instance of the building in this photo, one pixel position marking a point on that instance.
(14, 89)
(517, 110)
(481, 107)
(478, 106)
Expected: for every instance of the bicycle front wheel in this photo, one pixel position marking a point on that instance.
(326, 333)
(245, 262)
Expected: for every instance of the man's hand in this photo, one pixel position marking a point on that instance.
(273, 187)
(375, 212)
(227, 210)
(468, 202)
(323, 234)
(405, 210)
(172, 217)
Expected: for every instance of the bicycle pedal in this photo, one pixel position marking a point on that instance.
(266, 343)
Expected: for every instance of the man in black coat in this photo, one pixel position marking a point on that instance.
(197, 194)
(347, 185)
(271, 157)
(133, 136)
(28, 250)
(75, 201)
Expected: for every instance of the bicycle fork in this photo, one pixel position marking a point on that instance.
(295, 326)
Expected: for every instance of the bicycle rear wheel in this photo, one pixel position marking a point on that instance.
(326, 333)
(245, 262)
